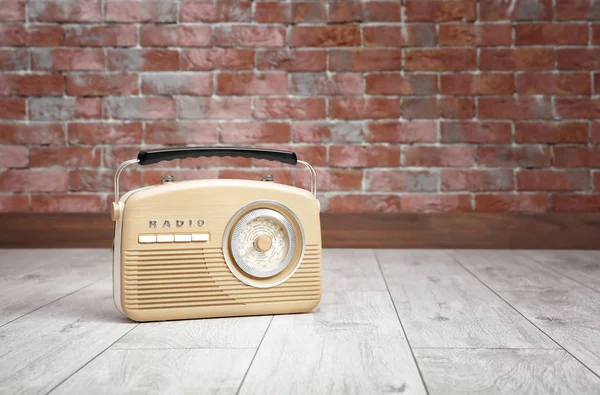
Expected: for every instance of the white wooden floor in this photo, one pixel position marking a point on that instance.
(391, 321)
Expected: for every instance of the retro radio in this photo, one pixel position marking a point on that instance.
(215, 248)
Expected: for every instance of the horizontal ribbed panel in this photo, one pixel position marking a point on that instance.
(175, 278)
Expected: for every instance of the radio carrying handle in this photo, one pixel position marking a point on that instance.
(147, 157)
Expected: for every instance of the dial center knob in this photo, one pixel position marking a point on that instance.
(263, 243)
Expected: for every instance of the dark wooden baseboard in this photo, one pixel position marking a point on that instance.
(452, 230)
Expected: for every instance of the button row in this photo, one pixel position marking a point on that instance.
(179, 238)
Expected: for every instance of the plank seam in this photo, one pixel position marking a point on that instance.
(254, 356)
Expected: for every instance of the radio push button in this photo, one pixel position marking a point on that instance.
(183, 238)
(143, 239)
(165, 238)
(200, 237)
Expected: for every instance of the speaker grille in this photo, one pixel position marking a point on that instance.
(175, 278)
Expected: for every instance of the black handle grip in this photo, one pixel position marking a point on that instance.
(148, 157)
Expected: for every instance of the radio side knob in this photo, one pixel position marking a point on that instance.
(267, 178)
(166, 179)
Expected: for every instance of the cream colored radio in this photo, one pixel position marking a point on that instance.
(215, 248)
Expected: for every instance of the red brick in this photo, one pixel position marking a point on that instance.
(363, 203)
(330, 179)
(272, 12)
(118, 107)
(325, 36)
(143, 59)
(432, 107)
(291, 60)
(596, 33)
(177, 84)
(214, 107)
(441, 59)
(364, 156)
(255, 132)
(327, 132)
(68, 59)
(101, 180)
(554, 84)
(31, 85)
(515, 108)
(101, 36)
(14, 35)
(578, 58)
(402, 132)
(505, 202)
(516, 59)
(294, 108)
(217, 59)
(402, 180)
(311, 84)
(520, 156)
(249, 83)
(65, 156)
(249, 36)
(551, 132)
(476, 132)
(283, 176)
(67, 203)
(100, 133)
(175, 36)
(577, 107)
(596, 83)
(365, 59)
(222, 11)
(553, 180)
(181, 132)
(38, 180)
(102, 84)
(551, 34)
(519, 10)
(12, 10)
(576, 203)
(13, 156)
(418, 203)
(577, 10)
(488, 34)
(364, 108)
(477, 180)
(153, 177)
(401, 84)
(596, 132)
(477, 84)
(358, 11)
(597, 181)
(445, 156)
(12, 108)
(65, 11)
(440, 11)
(576, 156)
(32, 133)
(140, 11)
(14, 59)
(417, 35)
(64, 108)
(14, 203)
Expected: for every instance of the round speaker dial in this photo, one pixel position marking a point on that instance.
(263, 242)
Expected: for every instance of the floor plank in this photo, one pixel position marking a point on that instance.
(581, 266)
(33, 278)
(567, 311)
(442, 305)
(351, 270)
(161, 372)
(468, 371)
(351, 344)
(236, 332)
(43, 348)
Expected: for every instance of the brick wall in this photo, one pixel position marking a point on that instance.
(419, 106)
